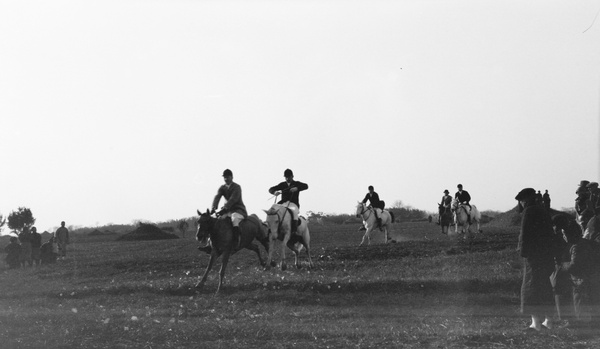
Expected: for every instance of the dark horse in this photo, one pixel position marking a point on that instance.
(220, 232)
(445, 218)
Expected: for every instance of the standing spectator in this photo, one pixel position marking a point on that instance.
(594, 202)
(13, 253)
(561, 280)
(61, 237)
(36, 243)
(47, 254)
(25, 240)
(585, 276)
(537, 247)
(546, 200)
(584, 214)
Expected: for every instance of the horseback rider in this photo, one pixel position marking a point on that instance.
(234, 206)
(445, 204)
(373, 198)
(463, 199)
(290, 193)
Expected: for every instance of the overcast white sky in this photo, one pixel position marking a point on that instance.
(115, 111)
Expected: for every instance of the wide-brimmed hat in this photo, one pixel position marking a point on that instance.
(584, 183)
(592, 185)
(525, 193)
(288, 173)
(446, 191)
(227, 173)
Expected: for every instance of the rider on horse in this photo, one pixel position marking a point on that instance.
(290, 192)
(234, 206)
(373, 198)
(464, 198)
(445, 204)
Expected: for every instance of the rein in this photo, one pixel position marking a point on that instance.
(365, 209)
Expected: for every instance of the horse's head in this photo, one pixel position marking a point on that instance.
(455, 204)
(361, 207)
(275, 217)
(205, 224)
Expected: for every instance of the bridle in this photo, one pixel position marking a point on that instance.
(364, 209)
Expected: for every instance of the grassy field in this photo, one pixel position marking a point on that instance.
(425, 291)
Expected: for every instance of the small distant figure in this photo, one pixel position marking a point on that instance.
(539, 198)
(25, 240)
(373, 198)
(61, 237)
(13, 253)
(48, 253)
(546, 200)
(36, 243)
(464, 198)
(429, 218)
(445, 205)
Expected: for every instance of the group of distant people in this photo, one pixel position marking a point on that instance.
(27, 248)
(561, 274)
(463, 197)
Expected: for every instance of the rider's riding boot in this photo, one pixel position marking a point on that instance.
(294, 226)
(469, 218)
(237, 238)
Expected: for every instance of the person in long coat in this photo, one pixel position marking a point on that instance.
(536, 246)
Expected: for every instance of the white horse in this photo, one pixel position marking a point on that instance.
(461, 219)
(279, 221)
(369, 221)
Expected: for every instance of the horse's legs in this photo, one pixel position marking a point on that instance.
(286, 238)
(367, 235)
(306, 243)
(269, 262)
(254, 247)
(310, 262)
(213, 258)
(222, 271)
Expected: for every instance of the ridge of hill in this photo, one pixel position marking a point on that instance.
(147, 232)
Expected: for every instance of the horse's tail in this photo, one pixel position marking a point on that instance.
(392, 215)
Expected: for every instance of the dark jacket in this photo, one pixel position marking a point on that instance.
(233, 195)
(536, 239)
(583, 255)
(13, 251)
(373, 200)
(446, 201)
(286, 194)
(537, 246)
(36, 240)
(463, 197)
